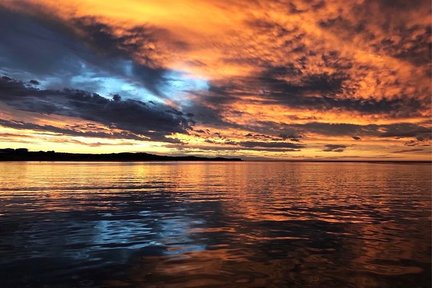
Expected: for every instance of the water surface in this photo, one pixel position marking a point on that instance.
(198, 224)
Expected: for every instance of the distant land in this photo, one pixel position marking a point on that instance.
(22, 154)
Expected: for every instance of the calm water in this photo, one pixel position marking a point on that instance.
(243, 224)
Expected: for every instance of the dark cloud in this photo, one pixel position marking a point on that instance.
(318, 92)
(416, 50)
(69, 130)
(334, 148)
(136, 42)
(83, 48)
(313, 92)
(155, 121)
(397, 130)
(261, 142)
(333, 129)
(300, 131)
(293, 85)
(270, 144)
(417, 134)
(409, 150)
(265, 26)
(424, 140)
(208, 107)
(403, 130)
(388, 28)
(293, 137)
(228, 148)
(51, 48)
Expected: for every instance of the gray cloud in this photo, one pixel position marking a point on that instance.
(417, 132)
(253, 144)
(152, 120)
(106, 44)
(70, 130)
(409, 150)
(396, 130)
(315, 92)
(334, 148)
(85, 49)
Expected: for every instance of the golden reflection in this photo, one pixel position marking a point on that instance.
(247, 223)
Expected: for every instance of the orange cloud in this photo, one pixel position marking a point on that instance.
(273, 64)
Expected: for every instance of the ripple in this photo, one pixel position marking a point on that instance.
(248, 224)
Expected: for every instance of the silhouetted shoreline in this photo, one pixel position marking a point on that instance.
(22, 154)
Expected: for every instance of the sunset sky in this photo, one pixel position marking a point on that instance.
(257, 79)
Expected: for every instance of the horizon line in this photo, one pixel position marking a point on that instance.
(200, 158)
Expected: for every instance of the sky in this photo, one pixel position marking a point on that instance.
(257, 79)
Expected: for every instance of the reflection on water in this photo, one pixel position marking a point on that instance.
(248, 224)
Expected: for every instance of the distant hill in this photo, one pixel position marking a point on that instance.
(22, 154)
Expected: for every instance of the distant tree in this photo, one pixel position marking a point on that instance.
(21, 150)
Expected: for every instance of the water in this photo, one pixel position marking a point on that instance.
(247, 224)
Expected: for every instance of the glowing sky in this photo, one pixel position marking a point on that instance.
(256, 79)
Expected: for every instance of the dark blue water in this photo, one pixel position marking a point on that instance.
(248, 224)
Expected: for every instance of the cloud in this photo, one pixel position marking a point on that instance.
(404, 130)
(313, 92)
(396, 130)
(69, 130)
(409, 150)
(253, 144)
(154, 121)
(52, 49)
(230, 148)
(334, 148)
(273, 74)
(135, 42)
(388, 27)
(84, 53)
